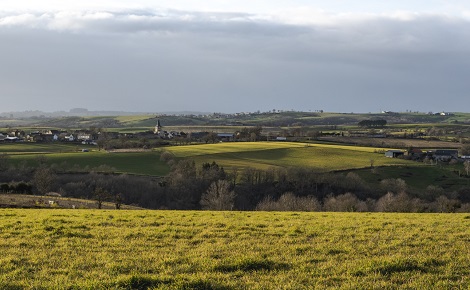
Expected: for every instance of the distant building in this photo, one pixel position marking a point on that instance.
(81, 136)
(158, 129)
(394, 153)
(225, 136)
(446, 154)
(416, 153)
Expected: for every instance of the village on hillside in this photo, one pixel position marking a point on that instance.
(96, 137)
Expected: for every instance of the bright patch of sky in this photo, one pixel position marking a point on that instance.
(246, 55)
(454, 7)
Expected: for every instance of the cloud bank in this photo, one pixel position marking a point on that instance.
(167, 60)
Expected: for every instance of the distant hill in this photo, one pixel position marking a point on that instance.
(79, 112)
(113, 119)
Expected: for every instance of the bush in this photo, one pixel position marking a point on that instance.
(4, 187)
(347, 202)
(166, 156)
(289, 202)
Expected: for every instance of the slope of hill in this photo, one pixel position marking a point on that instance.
(269, 119)
(262, 155)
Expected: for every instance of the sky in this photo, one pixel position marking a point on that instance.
(235, 56)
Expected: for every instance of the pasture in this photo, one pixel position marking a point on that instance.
(31, 148)
(143, 163)
(69, 156)
(104, 249)
(262, 155)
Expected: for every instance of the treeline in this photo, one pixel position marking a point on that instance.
(373, 123)
(209, 186)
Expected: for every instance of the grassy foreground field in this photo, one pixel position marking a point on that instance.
(91, 249)
(262, 155)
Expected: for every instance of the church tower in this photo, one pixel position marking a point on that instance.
(158, 128)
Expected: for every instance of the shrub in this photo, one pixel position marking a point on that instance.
(347, 202)
(166, 156)
(289, 202)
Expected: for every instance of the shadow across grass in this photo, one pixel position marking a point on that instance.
(251, 265)
(138, 282)
(390, 268)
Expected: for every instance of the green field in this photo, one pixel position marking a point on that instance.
(259, 155)
(70, 155)
(145, 163)
(262, 155)
(92, 249)
(417, 178)
(14, 148)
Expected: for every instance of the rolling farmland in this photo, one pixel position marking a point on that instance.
(263, 155)
(145, 163)
(70, 156)
(260, 155)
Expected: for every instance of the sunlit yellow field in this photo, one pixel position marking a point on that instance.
(261, 155)
(92, 249)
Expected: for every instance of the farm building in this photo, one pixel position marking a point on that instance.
(225, 136)
(416, 154)
(446, 154)
(394, 153)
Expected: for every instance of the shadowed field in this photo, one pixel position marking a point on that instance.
(70, 156)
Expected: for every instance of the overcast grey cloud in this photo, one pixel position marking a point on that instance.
(175, 60)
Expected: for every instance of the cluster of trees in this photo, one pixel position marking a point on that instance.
(16, 187)
(373, 123)
(250, 133)
(209, 186)
(348, 202)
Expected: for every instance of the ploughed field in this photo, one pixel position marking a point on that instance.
(104, 249)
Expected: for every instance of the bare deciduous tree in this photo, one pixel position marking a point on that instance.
(444, 204)
(218, 196)
(465, 149)
(393, 185)
(100, 196)
(118, 201)
(44, 179)
(166, 156)
(344, 202)
(289, 202)
(400, 202)
(4, 161)
(467, 167)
